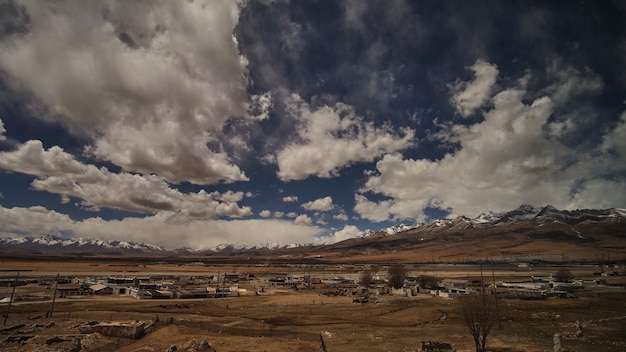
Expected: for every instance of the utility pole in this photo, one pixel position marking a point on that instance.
(495, 295)
(54, 295)
(6, 316)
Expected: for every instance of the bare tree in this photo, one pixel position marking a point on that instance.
(367, 276)
(563, 275)
(397, 274)
(479, 313)
(428, 281)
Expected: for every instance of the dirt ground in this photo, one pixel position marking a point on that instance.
(283, 319)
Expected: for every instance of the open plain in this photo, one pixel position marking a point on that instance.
(323, 314)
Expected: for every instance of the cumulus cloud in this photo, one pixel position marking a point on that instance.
(302, 219)
(321, 204)
(120, 75)
(382, 210)
(35, 220)
(290, 199)
(348, 231)
(155, 229)
(59, 172)
(265, 213)
(341, 216)
(506, 160)
(332, 137)
(469, 96)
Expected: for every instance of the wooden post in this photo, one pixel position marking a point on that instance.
(54, 296)
(11, 299)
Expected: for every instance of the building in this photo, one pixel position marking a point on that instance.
(70, 290)
(99, 289)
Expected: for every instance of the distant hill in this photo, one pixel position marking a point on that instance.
(524, 234)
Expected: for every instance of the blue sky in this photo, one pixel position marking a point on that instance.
(193, 124)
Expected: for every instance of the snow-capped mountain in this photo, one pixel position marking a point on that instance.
(536, 216)
(57, 244)
(238, 247)
(550, 214)
(526, 218)
(391, 230)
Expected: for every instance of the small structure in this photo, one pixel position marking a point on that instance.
(127, 330)
(151, 294)
(231, 277)
(70, 290)
(455, 283)
(99, 289)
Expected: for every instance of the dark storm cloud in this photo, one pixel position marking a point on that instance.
(13, 18)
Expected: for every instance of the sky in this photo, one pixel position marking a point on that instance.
(199, 123)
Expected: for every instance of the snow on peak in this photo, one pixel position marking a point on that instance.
(392, 230)
(51, 241)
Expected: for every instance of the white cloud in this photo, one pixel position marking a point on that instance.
(35, 220)
(228, 196)
(279, 214)
(341, 216)
(292, 214)
(156, 229)
(321, 204)
(510, 158)
(32, 159)
(348, 231)
(469, 96)
(302, 219)
(321, 222)
(290, 199)
(59, 172)
(265, 213)
(121, 74)
(331, 138)
(383, 210)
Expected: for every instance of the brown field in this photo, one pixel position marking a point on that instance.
(284, 319)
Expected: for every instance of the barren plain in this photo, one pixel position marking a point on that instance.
(265, 317)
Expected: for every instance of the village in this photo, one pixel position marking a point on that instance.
(297, 301)
(361, 282)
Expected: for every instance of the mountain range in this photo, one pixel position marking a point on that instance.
(521, 234)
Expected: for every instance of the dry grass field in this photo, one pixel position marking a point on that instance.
(284, 319)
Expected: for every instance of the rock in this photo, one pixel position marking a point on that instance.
(77, 346)
(171, 349)
(206, 346)
(55, 339)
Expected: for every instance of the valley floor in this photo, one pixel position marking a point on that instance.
(285, 319)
